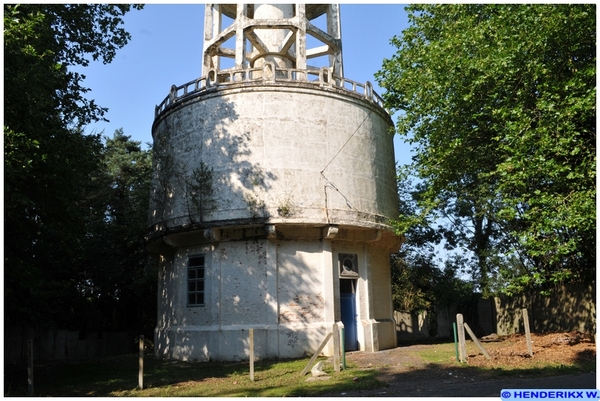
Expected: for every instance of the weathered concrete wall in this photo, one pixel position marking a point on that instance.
(267, 146)
(380, 291)
(274, 287)
(299, 172)
(444, 318)
(411, 325)
(300, 284)
(569, 308)
(284, 289)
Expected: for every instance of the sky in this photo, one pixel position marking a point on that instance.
(166, 49)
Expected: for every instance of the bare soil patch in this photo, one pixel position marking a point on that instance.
(558, 348)
(560, 360)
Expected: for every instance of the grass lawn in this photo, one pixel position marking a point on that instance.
(118, 376)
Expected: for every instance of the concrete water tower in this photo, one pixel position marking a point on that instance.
(274, 184)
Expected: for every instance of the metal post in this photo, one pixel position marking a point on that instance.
(455, 341)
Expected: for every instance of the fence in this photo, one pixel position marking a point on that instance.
(56, 345)
(570, 308)
(268, 73)
(411, 325)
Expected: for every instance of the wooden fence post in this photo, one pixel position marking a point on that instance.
(30, 367)
(251, 339)
(476, 341)
(527, 332)
(141, 362)
(336, 348)
(316, 354)
(462, 347)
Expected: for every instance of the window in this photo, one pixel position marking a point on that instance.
(348, 263)
(195, 280)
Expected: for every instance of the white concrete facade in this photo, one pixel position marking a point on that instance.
(287, 290)
(287, 152)
(267, 178)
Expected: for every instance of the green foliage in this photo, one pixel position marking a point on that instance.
(197, 184)
(117, 279)
(40, 42)
(420, 281)
(201, 186)
(500, 104)
(45, 207)
(419, 284)
(52, 170)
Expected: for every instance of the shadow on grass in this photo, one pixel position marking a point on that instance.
(435, 379)
(404, 342)
(118, 376)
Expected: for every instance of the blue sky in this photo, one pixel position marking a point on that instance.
(166, 49)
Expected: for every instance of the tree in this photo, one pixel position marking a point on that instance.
(48, 161)
(41, 42)
(500, 103)
(420, 280)
(117, 279)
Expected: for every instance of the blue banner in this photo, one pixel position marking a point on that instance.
(547, 394)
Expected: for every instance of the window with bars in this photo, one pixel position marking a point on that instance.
(195, 280)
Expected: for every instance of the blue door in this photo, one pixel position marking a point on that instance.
(348, 307)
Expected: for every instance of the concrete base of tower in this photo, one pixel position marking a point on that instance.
(379, 334)
(232, 343)
(289, 284)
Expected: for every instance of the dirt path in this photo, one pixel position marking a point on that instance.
(407, 385)
(405, 373)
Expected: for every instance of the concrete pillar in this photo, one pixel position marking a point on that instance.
(240, 39)
(272, 39)
(212, 27)
(367, 304)
(334, 29)
(329, 283)
(301, 37)
(272, 318)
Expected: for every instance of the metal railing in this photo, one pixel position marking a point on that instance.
(268, 73)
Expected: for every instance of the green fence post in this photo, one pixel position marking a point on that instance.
(455, 341)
